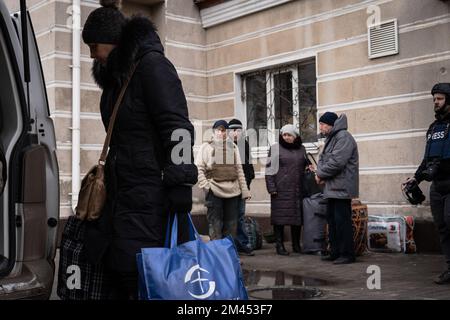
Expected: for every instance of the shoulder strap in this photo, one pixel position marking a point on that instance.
(114, 114)
(309, 156)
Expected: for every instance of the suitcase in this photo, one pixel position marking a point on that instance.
(314, 224)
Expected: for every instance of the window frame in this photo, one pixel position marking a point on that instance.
(270, 93)
(262, 151)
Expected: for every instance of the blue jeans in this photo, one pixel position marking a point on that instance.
(241, 240)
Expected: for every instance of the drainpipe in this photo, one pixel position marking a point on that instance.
(75, 102)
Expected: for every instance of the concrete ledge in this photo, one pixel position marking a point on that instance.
(426, 236)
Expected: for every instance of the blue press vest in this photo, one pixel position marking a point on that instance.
(438, 142)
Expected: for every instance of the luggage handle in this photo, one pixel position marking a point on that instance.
(320, 214)
(193, 233)
(308, 155)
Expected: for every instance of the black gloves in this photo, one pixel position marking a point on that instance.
(179, 179)
(180, 199)
(175, 175)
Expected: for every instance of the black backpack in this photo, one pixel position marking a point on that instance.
(253, 232)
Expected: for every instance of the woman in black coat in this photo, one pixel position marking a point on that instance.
(143, 183)
(284, 174)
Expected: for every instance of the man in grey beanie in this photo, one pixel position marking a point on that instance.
(338, 169)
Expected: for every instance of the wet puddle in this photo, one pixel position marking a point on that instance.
(279, 278)
(278, 285)
(284, 293)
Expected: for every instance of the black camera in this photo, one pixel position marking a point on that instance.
(430, 172)
(413, 193)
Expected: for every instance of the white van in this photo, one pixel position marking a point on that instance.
(29, 199)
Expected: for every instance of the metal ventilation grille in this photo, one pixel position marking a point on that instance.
(383, 39)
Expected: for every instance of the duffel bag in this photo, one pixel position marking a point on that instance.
(78, 279)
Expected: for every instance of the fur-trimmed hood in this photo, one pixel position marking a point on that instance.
(138, 38)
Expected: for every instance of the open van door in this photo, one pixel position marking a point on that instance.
(29, 203)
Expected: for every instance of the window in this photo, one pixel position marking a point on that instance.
(280, 96)
(256, 102)
(307, 102)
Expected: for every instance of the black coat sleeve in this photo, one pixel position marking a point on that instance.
(249, 171)
(307, 161)
(164, 96)
(423, 164)
(418, 174)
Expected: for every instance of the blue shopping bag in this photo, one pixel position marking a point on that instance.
(194, 270)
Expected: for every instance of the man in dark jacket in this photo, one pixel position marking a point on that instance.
(144, 184)
(236, 134)
(435, 167)
(338, 169)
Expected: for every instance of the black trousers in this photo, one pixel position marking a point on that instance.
(340, 229)
(440, 209)
(125, 284)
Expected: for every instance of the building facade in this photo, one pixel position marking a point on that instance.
(270, 62)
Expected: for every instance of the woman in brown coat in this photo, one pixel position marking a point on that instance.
(284, 173)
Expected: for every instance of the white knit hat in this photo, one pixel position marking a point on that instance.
(290, 129)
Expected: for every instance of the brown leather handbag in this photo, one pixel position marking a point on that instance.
(92, 195)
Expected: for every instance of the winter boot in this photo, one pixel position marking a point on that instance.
(295, 237)
(279, 235)
(444, 278)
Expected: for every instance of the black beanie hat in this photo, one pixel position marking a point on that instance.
(328, 118)
(104, 24)
(235, 124)
(219, 123)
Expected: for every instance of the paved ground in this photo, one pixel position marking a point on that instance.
(54, 296)
(402, 276)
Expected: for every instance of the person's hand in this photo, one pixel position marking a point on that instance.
(180, 199)
(246, 195)
(318, 180)
(311, 168)
(408, 181)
